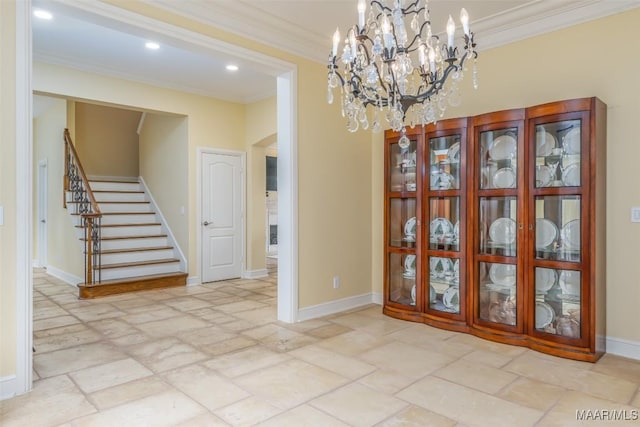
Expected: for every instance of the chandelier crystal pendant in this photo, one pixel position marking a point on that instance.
(393, 61)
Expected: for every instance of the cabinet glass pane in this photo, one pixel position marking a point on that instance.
(444, 282)
(498, 227)
(558, 147)
(558, 228)
(402, 278)
(402, 222)
(558, 296)
(444, 223)
(498, 292)
(444, 162)
(402, 167)
(499, 158)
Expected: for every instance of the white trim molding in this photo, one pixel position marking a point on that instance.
(66, 277)
(255, 274)
(193, 281)
(377, 298)
(530, 19)
(332, 307)
(623, 347)
(8, 387)
(22, 382)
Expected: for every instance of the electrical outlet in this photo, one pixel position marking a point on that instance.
(336, 282)
(635, 214)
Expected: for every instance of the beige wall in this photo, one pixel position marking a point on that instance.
(334, 196)
(106, 140)
(164, 168)
(48, 145)
(587, 60)
(7, 190)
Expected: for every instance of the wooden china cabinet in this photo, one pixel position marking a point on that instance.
(495, 226)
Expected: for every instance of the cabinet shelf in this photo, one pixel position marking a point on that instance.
(516, 184)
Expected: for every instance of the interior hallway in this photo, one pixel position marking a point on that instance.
(215, 355)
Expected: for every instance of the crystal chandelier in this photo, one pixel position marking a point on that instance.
(408, 78)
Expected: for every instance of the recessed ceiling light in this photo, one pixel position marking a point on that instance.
(232, 67)
(42, 14)
(152, 45)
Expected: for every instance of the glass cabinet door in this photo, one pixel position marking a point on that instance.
(444, 284)
(498, 293)
(402, 278)
(402, 223)
(499, 159)
(402, 167)
(558, 154)
(498, 226)
(558, 228)
(558, 301)
(444, 163)
(444, 223)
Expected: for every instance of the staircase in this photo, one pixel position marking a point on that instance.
(134, 252)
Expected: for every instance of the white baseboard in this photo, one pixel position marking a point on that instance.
(333, 307)
(376, 298)
(64, 276)
(35, 263)
(193, 281)
(8, 387)
(624, 348)
(255, 274)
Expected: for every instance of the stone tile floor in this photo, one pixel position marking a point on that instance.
(215, 355)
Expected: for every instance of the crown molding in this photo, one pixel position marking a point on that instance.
(540, 17)
(531, 19)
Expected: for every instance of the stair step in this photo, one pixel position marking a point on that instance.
(129, 242)
(121, 196)
(120, 251)
(114, 218)
(97, 185)
(126, 230)
(137, 264)
(142, 283)
(136, 269)
(117, 256)
(124, 206)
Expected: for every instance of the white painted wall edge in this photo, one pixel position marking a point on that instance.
(184, 266)
(255, 274)
(193, 281)
(9, 387)
(68, 278)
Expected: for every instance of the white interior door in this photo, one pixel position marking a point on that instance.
(222, 227)
(42, 213)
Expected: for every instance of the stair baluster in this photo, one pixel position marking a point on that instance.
(85, 205)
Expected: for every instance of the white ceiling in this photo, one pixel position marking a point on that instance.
(97, 37)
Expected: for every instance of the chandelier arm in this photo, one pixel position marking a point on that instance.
(412, 5)
(380, 6)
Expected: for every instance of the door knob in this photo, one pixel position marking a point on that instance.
(207, 223)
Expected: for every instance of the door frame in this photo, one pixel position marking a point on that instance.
(200, 152)
(42, 209)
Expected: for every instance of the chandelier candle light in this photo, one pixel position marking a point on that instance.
(378, 66)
